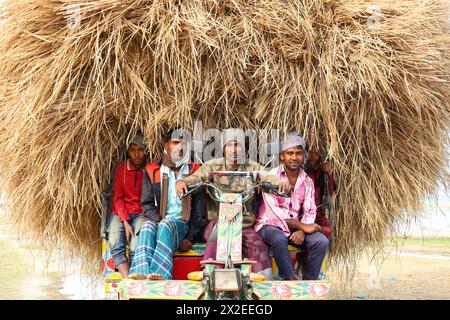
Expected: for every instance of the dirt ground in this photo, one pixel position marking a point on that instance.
(417, 270)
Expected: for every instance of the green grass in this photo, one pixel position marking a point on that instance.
(442, 242)
(13, 271)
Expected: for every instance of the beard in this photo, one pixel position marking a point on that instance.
(310, 166)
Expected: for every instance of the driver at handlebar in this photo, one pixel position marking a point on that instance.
(172, 223)
(278, 222)
(253, 247)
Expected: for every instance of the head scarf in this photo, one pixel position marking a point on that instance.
(293, 139)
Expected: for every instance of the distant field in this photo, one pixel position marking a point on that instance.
(442, 242)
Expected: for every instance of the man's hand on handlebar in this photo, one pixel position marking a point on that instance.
(181, 188)
(282, 189)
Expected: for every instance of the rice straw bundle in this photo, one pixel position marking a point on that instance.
(368, 80)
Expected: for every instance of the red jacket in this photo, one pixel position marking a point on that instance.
(127, 191)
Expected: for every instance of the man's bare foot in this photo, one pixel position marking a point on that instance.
(137, 276)
(154, 276)
(123, 269)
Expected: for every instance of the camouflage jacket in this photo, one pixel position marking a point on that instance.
(230, 184)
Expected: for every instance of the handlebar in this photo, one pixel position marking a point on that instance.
(192, 188)
(216, 194)
(252, 174)
(274, 189)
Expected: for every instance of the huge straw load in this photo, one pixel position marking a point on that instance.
(368, 79)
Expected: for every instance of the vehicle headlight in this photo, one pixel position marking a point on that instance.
(226, 280)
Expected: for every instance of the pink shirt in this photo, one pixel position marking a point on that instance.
(275, 209)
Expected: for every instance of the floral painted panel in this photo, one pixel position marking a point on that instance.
(167, 289)
(291, 290)
(229, 233)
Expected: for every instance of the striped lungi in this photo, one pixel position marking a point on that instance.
(155, 246)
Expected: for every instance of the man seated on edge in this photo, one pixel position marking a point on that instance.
(127, 216)
(173, 223)
(278, 220)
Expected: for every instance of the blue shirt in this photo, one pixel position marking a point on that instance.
(174, 210)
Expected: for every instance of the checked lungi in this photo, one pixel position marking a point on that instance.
(155, 246)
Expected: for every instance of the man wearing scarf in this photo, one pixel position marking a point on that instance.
(253, 248)
(127, 216)
(279, 223)
(172, 223)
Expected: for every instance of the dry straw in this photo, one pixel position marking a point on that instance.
(369, 79)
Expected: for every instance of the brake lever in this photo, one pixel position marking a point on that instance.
(186, 194)
(274, 190)
(282, 194)
(195, 188)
